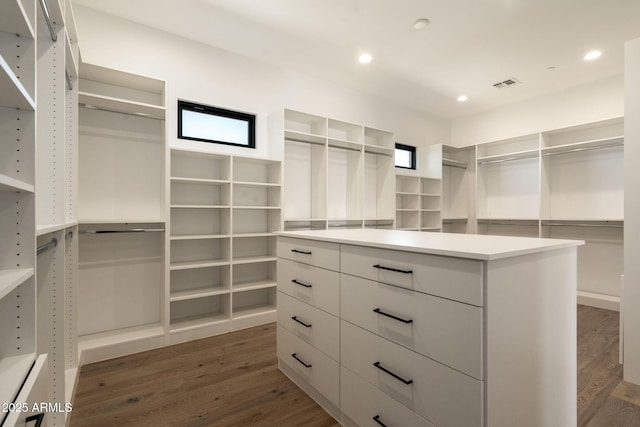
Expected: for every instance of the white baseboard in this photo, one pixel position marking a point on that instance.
(608, 302)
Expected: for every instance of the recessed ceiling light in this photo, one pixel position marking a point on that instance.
(421, 23)
(463, 98)
(594, 54)
(365, 58)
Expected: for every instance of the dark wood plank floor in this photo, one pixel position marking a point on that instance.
(603, 398)
(233, 380)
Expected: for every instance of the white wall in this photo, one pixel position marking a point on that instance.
(631, 295)
(209, 75)
(581, 104)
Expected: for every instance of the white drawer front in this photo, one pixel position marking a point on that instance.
(452, 278)
(447, 331)
(440, 394)
(316, 286)
(314, 326)
(318, 369)
(362, 402)
(320, 254)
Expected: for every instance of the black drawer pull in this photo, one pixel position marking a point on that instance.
(305, 364)
(383, 369)
(300, 283)
(306, 325)
(400, 319)
(397, 270)
(298, 251)
(377, 419)
(37, 418)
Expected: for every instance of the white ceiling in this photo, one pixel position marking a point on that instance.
(468, 46)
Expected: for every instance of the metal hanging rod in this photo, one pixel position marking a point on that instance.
(52, 244)
(129, 230)
(69, 235)
(47, 18)
(454, 163)
(517, 222)
(69, 81)
(109, 110)
(582, 224)
(507, 159)
(574, 150)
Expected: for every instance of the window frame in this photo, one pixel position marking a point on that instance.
(413, 155)
(249, 118)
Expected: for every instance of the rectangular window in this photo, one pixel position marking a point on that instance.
(405, 156)
(204, 123)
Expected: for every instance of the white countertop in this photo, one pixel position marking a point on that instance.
(473, 246)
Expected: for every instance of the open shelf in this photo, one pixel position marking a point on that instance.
(11, 279)
(12, 93)
(119, 336)
(197, 293)
(199, 312)
(116, 105)
(14, 19)
(304, 137)
(14, 185)
(583, 146)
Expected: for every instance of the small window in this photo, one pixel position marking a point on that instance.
(204, 123)
(405, 156)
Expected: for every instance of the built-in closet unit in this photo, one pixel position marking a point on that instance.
(582, 187)
(120, 289)
(38, 119)
(418, 203)
(458, 189)
(223, 211)
(562, 183)
(336, 174)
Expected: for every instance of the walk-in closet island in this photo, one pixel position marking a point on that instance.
(430, 329)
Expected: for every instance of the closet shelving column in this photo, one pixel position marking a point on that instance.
(121, 292)
(583, 197)
(56, 183)
(408, 202)
(224, 210)
(458, 189)
(337, 174)
(430, 204)
(200, 244)
(17, 198)
(256, 214)
(305, 170)
(345, 175)
(508, 186)
(379, 179)
(70, 195)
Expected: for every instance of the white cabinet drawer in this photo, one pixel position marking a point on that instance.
(440, 394)
(362, 402)
(33, 392)
(320, 254)
(318, 369)
(452, 278)
(316, 286)
(312, 325)
(444, 330)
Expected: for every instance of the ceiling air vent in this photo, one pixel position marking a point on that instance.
(506, 83)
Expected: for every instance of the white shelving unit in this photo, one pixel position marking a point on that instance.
(120, 293)
(458, 189)
(560, 183)
(223, 212)
(37, 205)
(508, 186)
(337, 174)
(18, 349)
(583, 198)
(408, 202)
